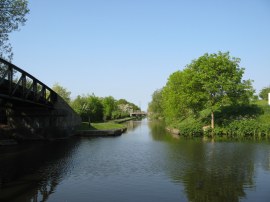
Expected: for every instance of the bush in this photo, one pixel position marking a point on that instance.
(191, 129)
(245, 128)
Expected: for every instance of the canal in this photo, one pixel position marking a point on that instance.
(144, 164)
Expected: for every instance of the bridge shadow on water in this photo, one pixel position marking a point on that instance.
(31, 172)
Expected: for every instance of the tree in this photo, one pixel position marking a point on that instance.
(122, 101)
(209, 82)
(155, 106)
(12, 15)
(217, 80)
(63, 92)
(126, 107)
(264, 93)
(87, 107)
(178, 96)
(109, 106)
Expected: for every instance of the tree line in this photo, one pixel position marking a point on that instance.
(96, 109)
(208, 94)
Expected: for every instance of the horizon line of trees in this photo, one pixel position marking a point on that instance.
(96, 109)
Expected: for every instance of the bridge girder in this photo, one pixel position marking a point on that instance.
(24, 87)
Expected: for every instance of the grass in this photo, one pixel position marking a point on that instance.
(123, 120)
(236, 122)
(101, 126)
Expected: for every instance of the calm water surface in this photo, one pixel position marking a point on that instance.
(144, 164)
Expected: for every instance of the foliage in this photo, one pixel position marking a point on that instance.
(237, 112)
(88, 107)
(208, 83)
(211, 88)
(12, 15)
(125, 108)
(63, 92)
(241, 121)
(191, 129)
(100, 109)
(264, 93)
(217, 80)
(109, 106)
(155, 106)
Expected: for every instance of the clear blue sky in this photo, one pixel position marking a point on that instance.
(128, 48)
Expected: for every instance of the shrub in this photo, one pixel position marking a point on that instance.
(191, 129)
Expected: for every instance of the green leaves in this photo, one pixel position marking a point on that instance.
(12, 15)
(63, 92)
(264, 93)
(101, 109)
(209, 82)
(220, 77)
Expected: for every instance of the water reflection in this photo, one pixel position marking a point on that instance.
(132, 125)
(31, 172)
(210, 171)
(145, 164)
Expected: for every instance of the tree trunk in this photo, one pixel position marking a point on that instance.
(89, 122)
(212, 120)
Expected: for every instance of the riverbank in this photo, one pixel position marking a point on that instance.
(238, 122)
(123, 120)
(106, 129)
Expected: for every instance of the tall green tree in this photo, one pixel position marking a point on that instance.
(179, 100)
(12, 15)
(264, 93)
(88, 107)
(63, 92)
(109, 106)
(155, 107)
(218, 80)
(209, 82)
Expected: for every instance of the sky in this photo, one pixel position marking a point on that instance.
(128, 49)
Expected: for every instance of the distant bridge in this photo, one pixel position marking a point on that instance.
(29, 108)
(138, 113)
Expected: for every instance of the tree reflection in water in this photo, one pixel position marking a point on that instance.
(132, 125)
(209, 171)
(137, 164)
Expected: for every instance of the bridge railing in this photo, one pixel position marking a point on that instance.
(17, 84)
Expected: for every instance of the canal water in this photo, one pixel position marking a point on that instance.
(144, 164)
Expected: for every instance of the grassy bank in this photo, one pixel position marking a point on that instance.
(123, 120)
(238, 122)
(101, 126)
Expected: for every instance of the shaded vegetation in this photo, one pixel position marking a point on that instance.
(97, 109)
